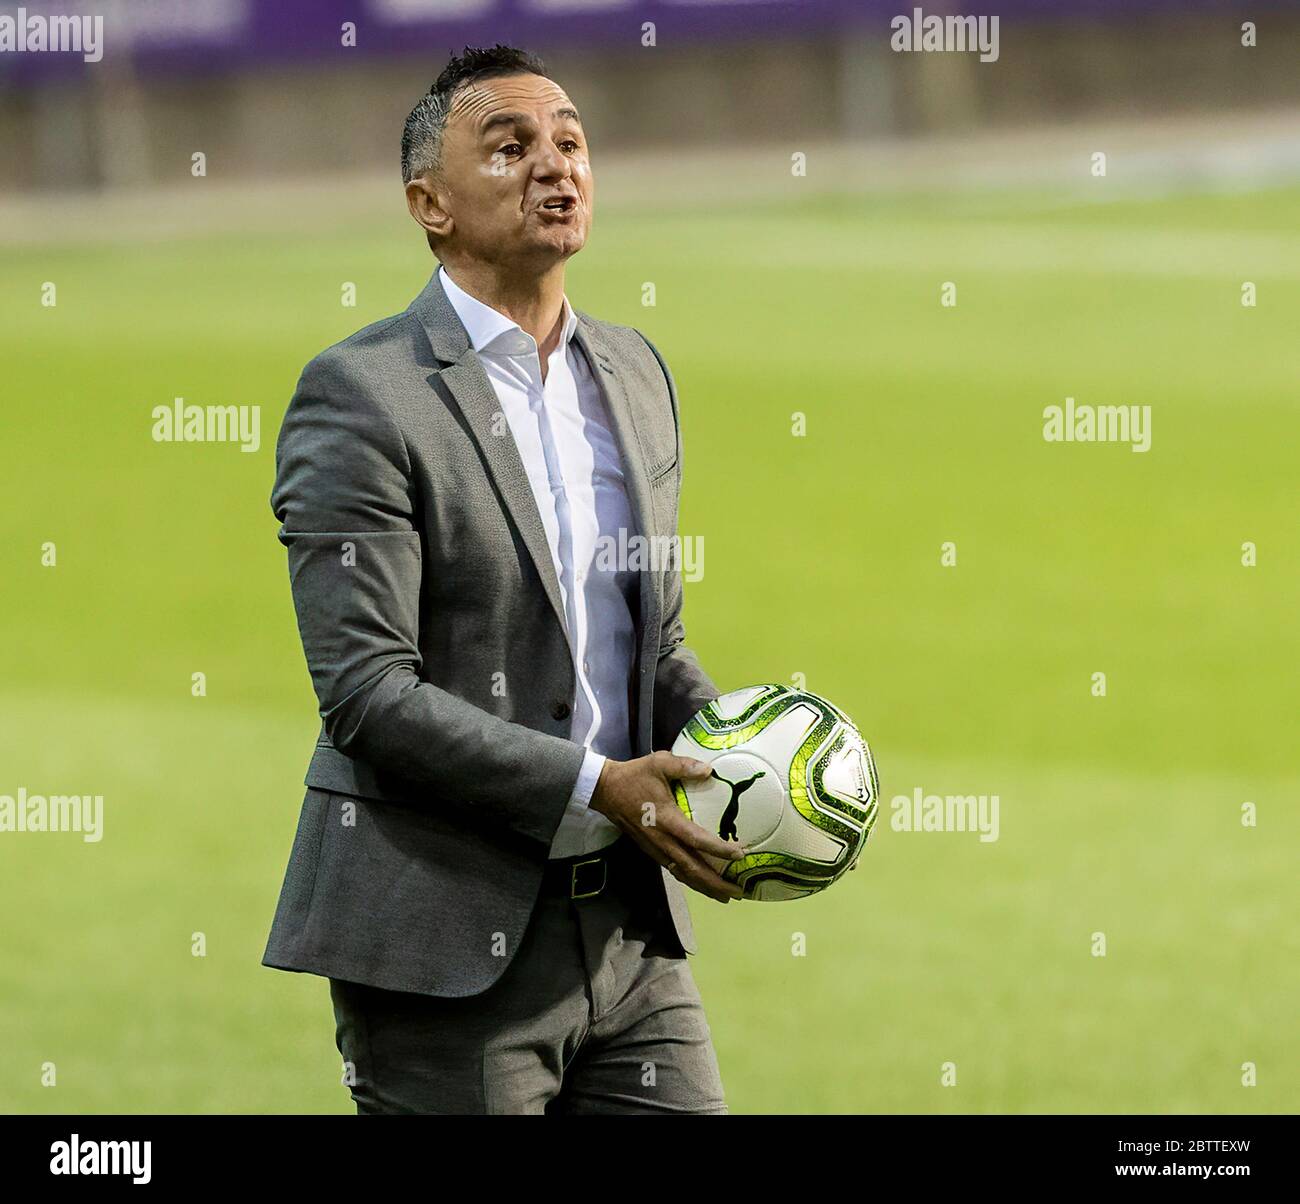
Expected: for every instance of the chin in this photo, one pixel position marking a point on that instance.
(561, 247)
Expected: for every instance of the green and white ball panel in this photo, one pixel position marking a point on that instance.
(795, 780)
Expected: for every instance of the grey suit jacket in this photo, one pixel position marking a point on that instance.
(433, 626)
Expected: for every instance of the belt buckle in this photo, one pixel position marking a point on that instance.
(574, 893)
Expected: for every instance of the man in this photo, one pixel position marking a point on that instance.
(488, 859)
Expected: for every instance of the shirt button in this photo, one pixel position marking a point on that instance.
(561, 710)
(586, 666)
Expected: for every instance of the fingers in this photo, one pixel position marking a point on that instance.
(699, 876)
(681, 768)
(685, 830)
(691, 871)
(696, 837)
(671, 839)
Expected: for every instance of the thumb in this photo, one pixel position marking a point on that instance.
(690, 769)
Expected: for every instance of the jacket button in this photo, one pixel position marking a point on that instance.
(561, 710)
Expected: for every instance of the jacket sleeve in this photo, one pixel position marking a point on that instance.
(681, 684)
(345, 497)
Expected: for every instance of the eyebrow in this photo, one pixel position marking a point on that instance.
(523, 119)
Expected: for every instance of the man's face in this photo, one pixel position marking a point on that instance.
(514, 179)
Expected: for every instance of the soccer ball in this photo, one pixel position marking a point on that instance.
(793, 781)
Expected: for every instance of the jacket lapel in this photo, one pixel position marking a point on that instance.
(468, 384)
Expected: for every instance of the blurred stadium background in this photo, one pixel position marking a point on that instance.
(776, 293)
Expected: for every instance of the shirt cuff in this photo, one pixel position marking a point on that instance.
(585, 786)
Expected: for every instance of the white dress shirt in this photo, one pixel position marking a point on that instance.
(571, 456)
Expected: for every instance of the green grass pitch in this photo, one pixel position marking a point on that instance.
(1118, 815)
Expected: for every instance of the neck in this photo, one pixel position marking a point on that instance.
(536, 302)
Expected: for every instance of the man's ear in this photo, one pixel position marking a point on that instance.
(425, 204)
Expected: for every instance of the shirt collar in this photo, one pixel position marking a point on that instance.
(490, 330)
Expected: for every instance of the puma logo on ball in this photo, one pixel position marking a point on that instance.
(727, 826)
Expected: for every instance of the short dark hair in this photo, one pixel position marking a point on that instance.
(422, 134)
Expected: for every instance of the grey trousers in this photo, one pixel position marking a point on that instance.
(595, 1014)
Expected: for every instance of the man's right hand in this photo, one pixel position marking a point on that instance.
(637, 796)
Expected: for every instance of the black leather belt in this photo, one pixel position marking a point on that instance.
(590, 874)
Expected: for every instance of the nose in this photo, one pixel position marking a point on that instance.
(551, 163)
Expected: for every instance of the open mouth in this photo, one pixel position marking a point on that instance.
(560, 204)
